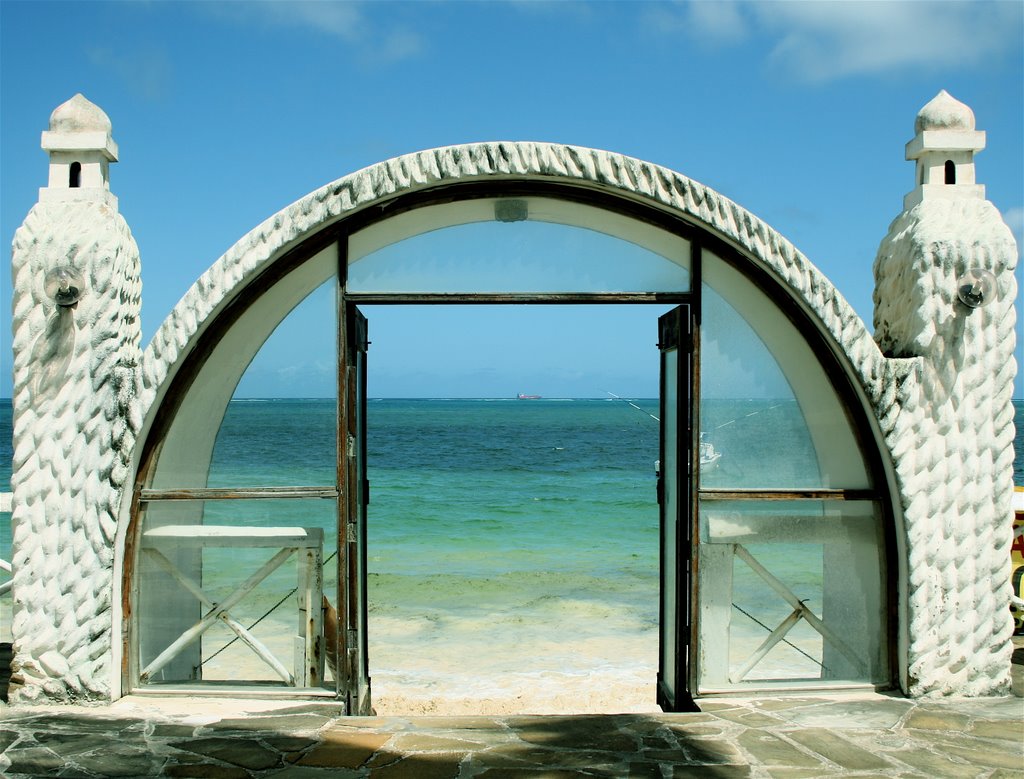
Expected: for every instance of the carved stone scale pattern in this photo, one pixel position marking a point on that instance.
(950, 429)
(76, 415)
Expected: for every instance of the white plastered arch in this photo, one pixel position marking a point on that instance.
(623, 177)
(630, 178)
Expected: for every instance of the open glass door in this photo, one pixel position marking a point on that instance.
(675, 503)
(352, 661)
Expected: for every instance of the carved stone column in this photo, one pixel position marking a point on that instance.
(945, 294)
(76, 306)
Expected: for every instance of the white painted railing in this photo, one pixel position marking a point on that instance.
(6, 502)
(307, 543)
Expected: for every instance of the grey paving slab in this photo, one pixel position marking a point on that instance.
(769, 738)
(838, 750)
(882, 713)
(772, 750)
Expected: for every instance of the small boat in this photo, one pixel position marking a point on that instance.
(521, 396)
(709, 456)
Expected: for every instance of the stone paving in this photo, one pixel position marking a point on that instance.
(781, 738)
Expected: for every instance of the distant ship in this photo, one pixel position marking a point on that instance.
(521, 396)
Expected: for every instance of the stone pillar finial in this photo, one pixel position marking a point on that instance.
(951, 418)
(76, 344)
(944, 146)
(81, 149)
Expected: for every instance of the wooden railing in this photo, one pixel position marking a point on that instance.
(6, 503)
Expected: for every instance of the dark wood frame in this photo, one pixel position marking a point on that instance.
(676, 333)
(700, 238)
(838, 371)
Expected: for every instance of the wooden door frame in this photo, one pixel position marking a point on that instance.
(700, 237)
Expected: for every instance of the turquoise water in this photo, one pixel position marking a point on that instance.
(507, 539)
(291, 442)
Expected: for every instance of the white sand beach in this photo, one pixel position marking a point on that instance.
(479, 669)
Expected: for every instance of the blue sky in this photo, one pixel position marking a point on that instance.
(227, 112)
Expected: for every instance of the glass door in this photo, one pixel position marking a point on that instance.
(674, 499)
(351, 644)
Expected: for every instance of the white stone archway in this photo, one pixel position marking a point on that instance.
(908, 395)
(279, 263)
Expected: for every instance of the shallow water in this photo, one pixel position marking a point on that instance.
(513, 545)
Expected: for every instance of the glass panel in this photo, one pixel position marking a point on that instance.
(669, 515)
(276, 442)
(555, 247)
(767, 405)
(273, 425)
(194, 554)
(759, 560)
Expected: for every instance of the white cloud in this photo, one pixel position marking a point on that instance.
(372, 43)
(342, 20)
(823, 41)
(395, 46)
(147, 73)
(721, 22)
(713, 22)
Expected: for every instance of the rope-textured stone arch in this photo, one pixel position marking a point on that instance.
(877, 379)
(631, 178)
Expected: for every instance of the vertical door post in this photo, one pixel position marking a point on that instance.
(352, 661)
(675, 343)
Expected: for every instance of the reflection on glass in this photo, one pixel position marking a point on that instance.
(757, 610)
(766, 404)
(267, 564)
(298, 359)
(279, 427)
(276, 442)
(809, 572)
(604, 253)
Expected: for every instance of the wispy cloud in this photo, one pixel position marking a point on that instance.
(824, 41)
(722, 22)
(344, 20)
(147, 73)
(373, 43)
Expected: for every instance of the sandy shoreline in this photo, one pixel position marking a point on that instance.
(525, 693)
(439, 682)
(486, 664)
(508, 678)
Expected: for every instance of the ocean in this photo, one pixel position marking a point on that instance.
(513, 545)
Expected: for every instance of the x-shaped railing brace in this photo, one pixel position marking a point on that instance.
(800, 611)
(218, 611)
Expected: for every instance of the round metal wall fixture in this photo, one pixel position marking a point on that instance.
(976, 288)
(64, 286)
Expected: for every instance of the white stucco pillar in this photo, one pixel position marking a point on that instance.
(76, 327)
(951, 431)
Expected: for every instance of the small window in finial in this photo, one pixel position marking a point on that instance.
(950, 172)
(75, 175)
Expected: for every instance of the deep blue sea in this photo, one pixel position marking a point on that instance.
(513, 545)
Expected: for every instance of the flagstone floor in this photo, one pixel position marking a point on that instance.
(864, 735)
